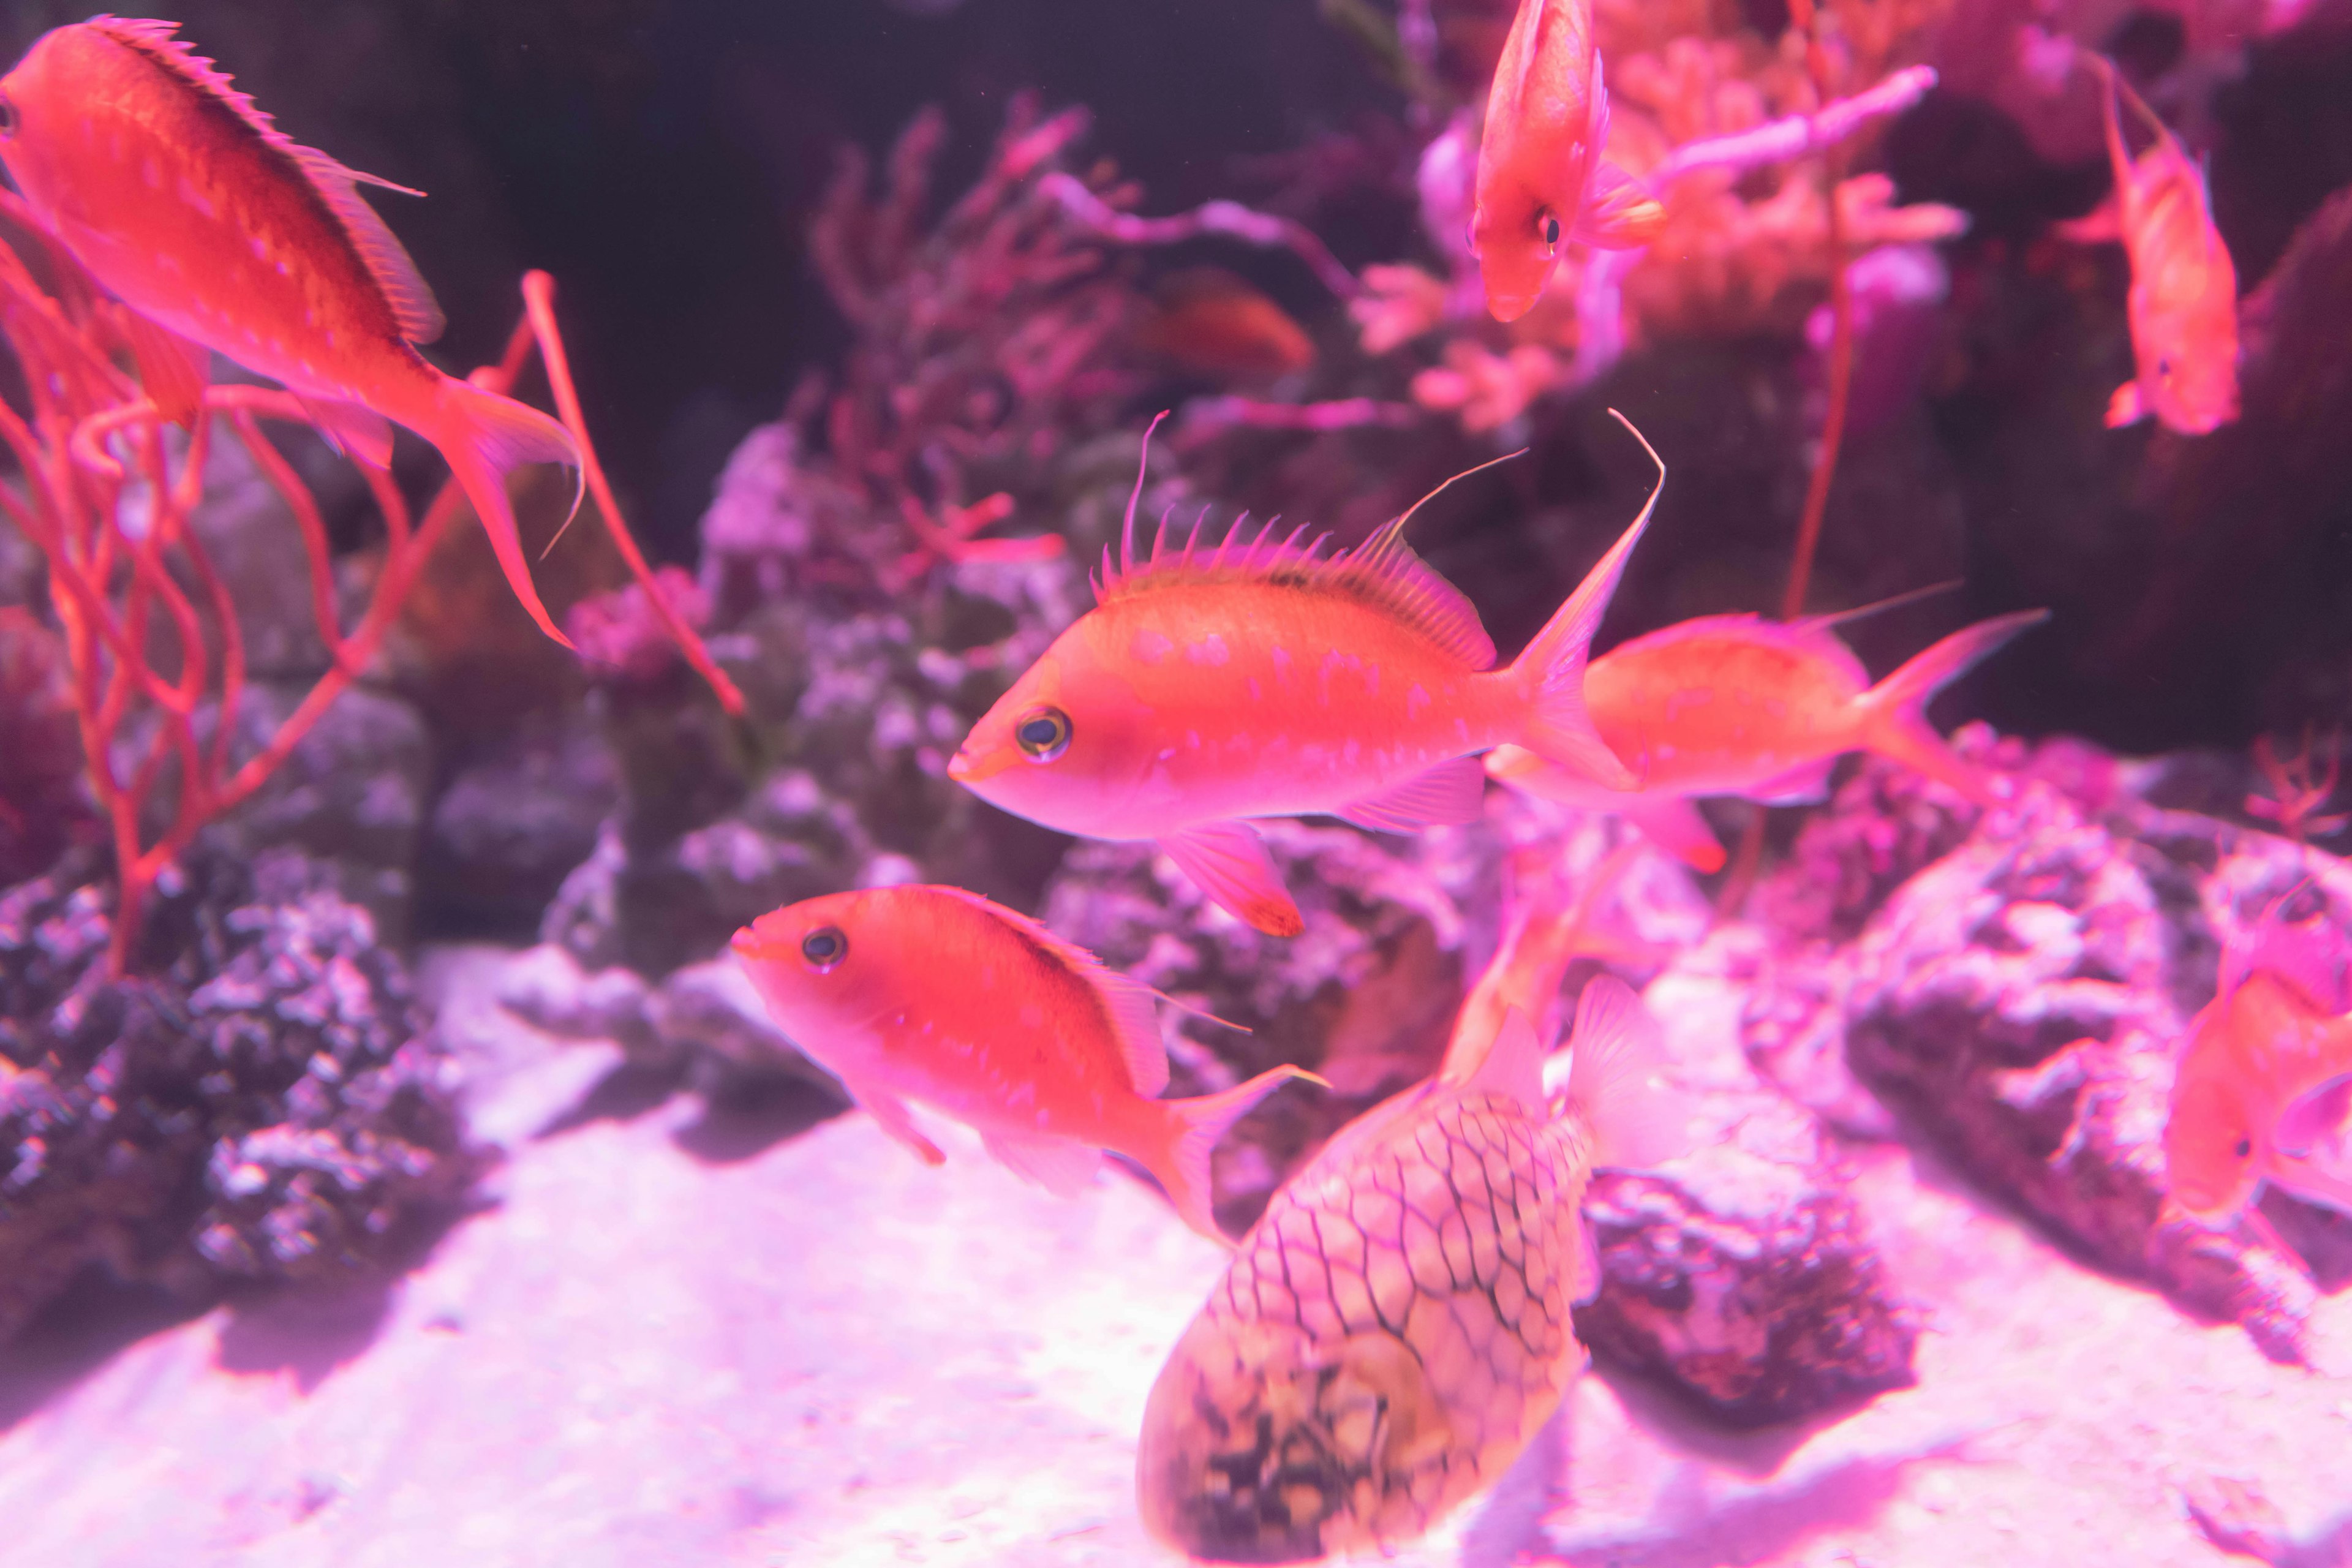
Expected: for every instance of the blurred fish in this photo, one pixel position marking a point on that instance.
(1541, 175)
(2265, 1079)
(2184, 289)
(1396, 1328)
(1206, 320)
(184, 200)
(1739, 705)
(938, 995)
(1551, 922)
(1263, 678)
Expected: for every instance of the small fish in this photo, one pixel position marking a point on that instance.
(1210, 322)
(936, 995)
(1740, 705)
(192, 208)
(2265, 1079)
(1541, 175)
(1550, 923)
(1395, 1328)
(2184, 291)
(1263, 678)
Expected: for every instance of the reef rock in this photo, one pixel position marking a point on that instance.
(2021, 998)
(517, 814)
(253, 1103)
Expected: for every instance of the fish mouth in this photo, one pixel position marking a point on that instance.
(966, 771)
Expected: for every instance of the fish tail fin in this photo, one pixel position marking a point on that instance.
(1894, 720)
(1551, 671)
(481, 435)
(1184, 1133)
(1618, 1079)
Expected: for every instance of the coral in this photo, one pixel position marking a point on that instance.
(256, 1104)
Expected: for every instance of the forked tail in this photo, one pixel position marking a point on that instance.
(1551, 671)
(1183, 1132)
(1894, 712)
(481, 435)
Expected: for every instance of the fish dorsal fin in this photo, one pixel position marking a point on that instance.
(1129, 1005)
(1812, 636)
(1617, 1055)
(413, 305)
(1382, 572)
(1511, 1065)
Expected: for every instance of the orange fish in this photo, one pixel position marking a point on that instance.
(1551, 922)
(2265, 1080)
(1541, 175)
(2184, 289)
(181, 198)
(1208, 322)
(1265, 680)
(1739, 705)
(1395, 1329)
(936, 995)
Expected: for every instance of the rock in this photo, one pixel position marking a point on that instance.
(253, 1104)
(1741, 1274)
(546, 987)
(517, 814)
(2022, 1000)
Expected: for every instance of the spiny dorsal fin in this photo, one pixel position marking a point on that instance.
(1382, 572)
(413, 305)
(1127, 1002)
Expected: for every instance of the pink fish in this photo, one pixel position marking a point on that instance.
(192, 209)
(1264, 678)
(1541, 175)
(939, 996)
(1739, 705)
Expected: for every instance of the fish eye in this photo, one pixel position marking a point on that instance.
(2244, 1149)
(8, 115)
(1044, 733)
(1551, 231)
(824, 947)
(2164, 366)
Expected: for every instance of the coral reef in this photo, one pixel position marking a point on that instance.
(256, 1104)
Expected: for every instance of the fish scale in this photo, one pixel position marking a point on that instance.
(1385, 1342)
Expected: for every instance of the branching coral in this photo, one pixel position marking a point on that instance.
(156, 659)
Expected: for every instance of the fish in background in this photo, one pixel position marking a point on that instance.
(1207, 321)
(2183, 305)
(1739, 705)
(1550, 921)
(936, 996)
(1265, 679)
(187, 205)
(1396, 1328)
(1541, 175)
(2264, 1081)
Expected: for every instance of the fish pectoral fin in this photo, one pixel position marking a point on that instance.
(891, 1114)
(1675, 826)
(2313, 1182)
(1447, 795)
(1801, 785)
(173, 371)
(353, 429)
(1620, 213)
(1229, 862)
(1063, 1166)
(2314, 1119)
(2126, 407)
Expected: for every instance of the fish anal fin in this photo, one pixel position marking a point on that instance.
(173, 371)
(352, 428)
(1449, 795)
(1801, 785)
(1063, 1166)
(1229, 862)
(1620, 213)
(412, 303)
(1129, 1006)
(2127, 406)
(1675, 826)
(891, 1114)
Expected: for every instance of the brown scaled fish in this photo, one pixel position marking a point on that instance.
(1396, 1328)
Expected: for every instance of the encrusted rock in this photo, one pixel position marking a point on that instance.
(517, 814)
(254, 1103)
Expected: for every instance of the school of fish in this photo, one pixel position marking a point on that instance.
(1395, 1328)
